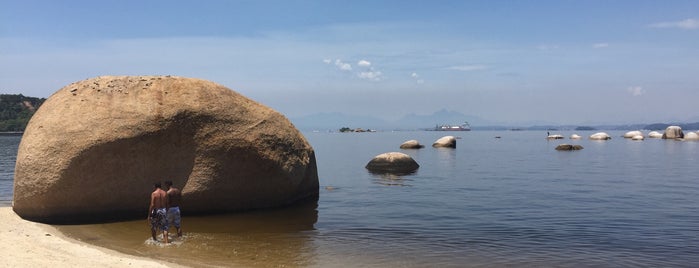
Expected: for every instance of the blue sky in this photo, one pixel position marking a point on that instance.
(566, 62)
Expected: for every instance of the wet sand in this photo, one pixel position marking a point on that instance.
(29, 244)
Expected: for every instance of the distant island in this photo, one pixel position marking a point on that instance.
(16, 110)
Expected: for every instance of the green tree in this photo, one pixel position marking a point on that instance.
(16, 110)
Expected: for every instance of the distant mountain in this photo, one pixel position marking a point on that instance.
(16, 110)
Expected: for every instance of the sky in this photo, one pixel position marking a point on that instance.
(564, 62)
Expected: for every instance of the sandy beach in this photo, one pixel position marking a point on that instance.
(30, 244)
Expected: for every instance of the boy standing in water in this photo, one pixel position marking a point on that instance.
(157, 212)
(174, 196)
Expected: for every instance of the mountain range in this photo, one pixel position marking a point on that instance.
(335, 121)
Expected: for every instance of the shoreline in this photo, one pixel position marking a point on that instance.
(30, 244)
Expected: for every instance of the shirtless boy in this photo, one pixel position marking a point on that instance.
(174, 197)
(157, 212)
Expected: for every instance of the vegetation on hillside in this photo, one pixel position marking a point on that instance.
(16, 110)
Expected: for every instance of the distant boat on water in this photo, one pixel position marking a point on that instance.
(463, 127)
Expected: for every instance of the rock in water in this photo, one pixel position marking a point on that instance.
(673, 132)
(631, 134)
(446, 141)
(655, 135)
(600, 136)
(691, 136)
(94, 148)
(393, 162)
(411, 144)
(568, 147)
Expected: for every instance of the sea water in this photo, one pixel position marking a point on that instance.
(504, 198)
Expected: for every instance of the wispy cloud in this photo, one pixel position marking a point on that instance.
(364, 63)
(636, 91)
(417, 78)
(343, 65)
(469, 68)
(370, 75)
(600, 45)
(365, 69)
(688, 24)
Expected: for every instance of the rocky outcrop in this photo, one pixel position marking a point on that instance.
(600, 136)
(631, 134)
(673, 132)
(445, 142)
(393, 162)
(411, 144)
(575, 137)
(95, 147)
(568, 147)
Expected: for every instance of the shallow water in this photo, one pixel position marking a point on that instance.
(511, 201)
(8, 156)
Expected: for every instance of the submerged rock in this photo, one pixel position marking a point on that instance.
(95, 147)
(568, 147)
(393, 162)
(637, 138)
(411, 144)
(445, 142)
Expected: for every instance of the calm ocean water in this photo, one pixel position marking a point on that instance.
(512, 201)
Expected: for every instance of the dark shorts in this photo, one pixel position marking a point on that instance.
(158, 219)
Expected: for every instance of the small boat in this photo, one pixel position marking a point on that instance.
(463, 127)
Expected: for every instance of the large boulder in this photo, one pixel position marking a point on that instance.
(575, 137)
(631, 134)
(393, 162)
(600, 136)
(411, 144)
(445, 142)
(95, 147)
(673, 132)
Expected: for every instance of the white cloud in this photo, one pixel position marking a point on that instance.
(636, 91)
(327, 61)
(414, 75)
(364, 63)
(370, 75)
(343, 65)
(688, 24)
(600, 45)
(468, 68)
